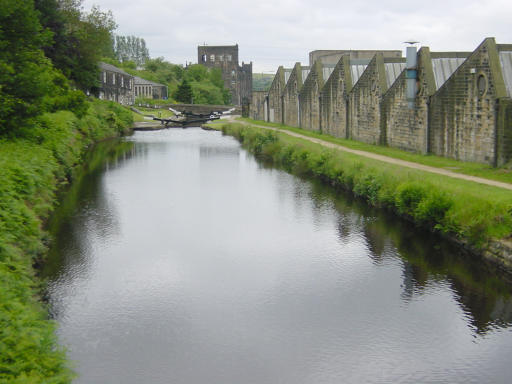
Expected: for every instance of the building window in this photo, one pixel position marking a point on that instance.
(105, 77)
(481, 85)
(113, 79)
(228, 57)
(233, 73)
(221, 57)
(203, 58)
(122, 81)
(212, 58)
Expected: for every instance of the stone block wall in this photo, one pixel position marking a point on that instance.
(309, 99)
(504, 128)
(462, 112)
(364, 103)
(406, 128)
(333, 99)
(333, 56)
(274, 97)
(256, 108)
(290, 97)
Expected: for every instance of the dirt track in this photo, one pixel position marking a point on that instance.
(390, 160)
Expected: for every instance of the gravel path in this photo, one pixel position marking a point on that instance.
(390, 160)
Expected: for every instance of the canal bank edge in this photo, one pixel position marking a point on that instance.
(34, 166)
(478, 219)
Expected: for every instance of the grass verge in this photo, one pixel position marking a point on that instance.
(503, 174)
(33, 167)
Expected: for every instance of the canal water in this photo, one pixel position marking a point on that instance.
(178, 258)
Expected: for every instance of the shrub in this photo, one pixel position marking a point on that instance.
(408, 196)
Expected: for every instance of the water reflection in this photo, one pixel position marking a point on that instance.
(182, 257)
(427, 258)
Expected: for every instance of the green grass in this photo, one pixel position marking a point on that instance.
(474, 213)
(33, 167)
(503, 174)
(160, 112)
(137, 117)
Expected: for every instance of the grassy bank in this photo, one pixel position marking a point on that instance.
(473, 213)
(474, 169)
(34, 165)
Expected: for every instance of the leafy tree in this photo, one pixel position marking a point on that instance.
(130, 48)
(80, 39)
(25, 74)
(184, 92)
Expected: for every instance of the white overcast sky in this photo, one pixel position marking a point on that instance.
(282, 32)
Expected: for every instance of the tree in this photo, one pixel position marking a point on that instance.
(184, 92)
(130, 48)
(25, 74)
(80, 39)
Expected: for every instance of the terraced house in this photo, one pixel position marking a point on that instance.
(115, 85)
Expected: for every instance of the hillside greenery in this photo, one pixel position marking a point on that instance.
(262, 81)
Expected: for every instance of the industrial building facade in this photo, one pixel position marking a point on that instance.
(461, 105)
(237, 78)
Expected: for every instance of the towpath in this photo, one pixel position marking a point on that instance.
(387, 159)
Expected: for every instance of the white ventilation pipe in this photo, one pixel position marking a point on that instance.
(411, 74)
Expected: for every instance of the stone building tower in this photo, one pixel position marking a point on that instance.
(238, 79)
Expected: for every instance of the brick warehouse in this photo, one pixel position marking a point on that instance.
(462, 108)
(238, 79)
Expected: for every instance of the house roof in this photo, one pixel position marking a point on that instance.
(109, 67)
(506, 69)
(287, 73)
(327, 71)
(356, 70)
(305, 73)
(140, 81)
(444, 67)
(393, 70)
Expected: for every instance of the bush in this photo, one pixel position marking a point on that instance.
(408, 196)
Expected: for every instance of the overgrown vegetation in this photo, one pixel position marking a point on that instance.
(33, 166)
(444, 204)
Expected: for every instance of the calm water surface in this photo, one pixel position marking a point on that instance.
(183, 260)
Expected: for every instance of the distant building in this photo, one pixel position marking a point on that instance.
(149, 89)
(115, 85)
(333, 56)
(238, 79)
